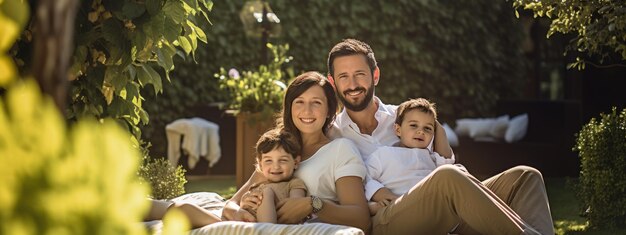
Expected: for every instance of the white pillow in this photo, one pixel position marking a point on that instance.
(463, 126)
(452, 138)
(499, 127)
(481, 127)
(517, 128)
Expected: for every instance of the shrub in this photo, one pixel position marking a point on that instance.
(259, 91)
(602, 148)
(58, 181)
(165, 180)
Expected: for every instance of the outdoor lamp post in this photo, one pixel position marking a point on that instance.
(259, 21)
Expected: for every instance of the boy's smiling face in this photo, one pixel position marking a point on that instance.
(277, 165)
(417, 129)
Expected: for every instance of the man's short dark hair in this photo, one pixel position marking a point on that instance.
(351, 47)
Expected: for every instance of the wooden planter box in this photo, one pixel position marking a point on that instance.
(250, 126)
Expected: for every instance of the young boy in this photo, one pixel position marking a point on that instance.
(277, 155)
(400, 167)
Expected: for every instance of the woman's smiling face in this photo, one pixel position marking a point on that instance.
(309, 110)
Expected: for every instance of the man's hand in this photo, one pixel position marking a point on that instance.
(251, 200)
(376, 206)
(384, 194)
(293, 210)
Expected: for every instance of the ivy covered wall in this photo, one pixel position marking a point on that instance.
(463, 55)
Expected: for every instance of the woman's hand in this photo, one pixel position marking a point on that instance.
(293, 210)
(251, 199)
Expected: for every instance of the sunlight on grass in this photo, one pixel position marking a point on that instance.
(563, 226)
(224, 186)
(565, 207)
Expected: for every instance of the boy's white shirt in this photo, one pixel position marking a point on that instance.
(400, 168)
(384, 135)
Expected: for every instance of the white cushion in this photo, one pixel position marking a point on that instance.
(481, 127)
(452, 138)
(463, 126)
(236, 227)
(215, 203)
(499, 127)
(517, 128)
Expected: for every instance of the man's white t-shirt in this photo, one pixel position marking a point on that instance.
(383, 135)
(339, 158)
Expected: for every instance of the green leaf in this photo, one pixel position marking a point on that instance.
(155, 27)
(132, 9)
(164, 57)
(199, 32)
(138, 41)
(143, 115)
(175, 10)
(143, 76)
(115, 77)
(153, 6)
(207, 3)
(112, 32)
(192, 3)
(147, 75)
(171, 30)
(132, 91)
(185, 44)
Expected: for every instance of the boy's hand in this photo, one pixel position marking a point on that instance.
(251, 200)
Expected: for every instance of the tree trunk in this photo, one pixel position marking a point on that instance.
(53, 46)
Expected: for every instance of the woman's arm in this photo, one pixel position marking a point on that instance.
(352, 209)
(232, 209)
(441, 144)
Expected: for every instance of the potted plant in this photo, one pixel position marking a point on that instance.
(254, 98)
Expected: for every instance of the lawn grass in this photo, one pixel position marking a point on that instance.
(566, 210)
(222, 185)
(563, 202)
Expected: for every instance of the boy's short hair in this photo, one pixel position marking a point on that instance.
(278, 138)
(420, 104)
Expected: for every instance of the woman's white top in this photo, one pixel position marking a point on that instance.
(339, 158)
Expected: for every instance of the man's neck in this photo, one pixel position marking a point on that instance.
(365, 119)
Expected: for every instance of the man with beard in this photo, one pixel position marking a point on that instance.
(447, 200)
(365, 119)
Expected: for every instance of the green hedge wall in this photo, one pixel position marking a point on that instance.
(463, 55)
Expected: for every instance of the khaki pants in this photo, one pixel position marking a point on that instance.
(451, 200)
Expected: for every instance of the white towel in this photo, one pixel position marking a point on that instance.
(200, 139)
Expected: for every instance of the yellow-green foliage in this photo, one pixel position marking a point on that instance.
(81, 181)
(55, 181)
(13, 15)
(166, 180)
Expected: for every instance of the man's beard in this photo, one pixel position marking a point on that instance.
(369, 95)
